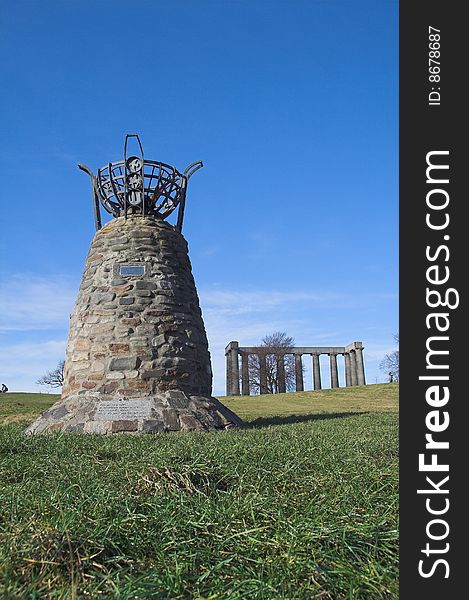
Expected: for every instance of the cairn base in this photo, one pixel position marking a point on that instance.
(168, 411)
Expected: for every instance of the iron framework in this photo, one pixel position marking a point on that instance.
(140, 186)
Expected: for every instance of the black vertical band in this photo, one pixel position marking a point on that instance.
(434, 258)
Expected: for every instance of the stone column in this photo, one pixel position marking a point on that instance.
(228, 371)
(353, 367)
(360, 366)
(299, 386)
(348, 372)
(281, 374)
(245, 373)
(232, 364)
(316, 372)
(262, 374)
(334, 372)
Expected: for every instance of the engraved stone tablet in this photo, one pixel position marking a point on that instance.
(132, 270)
(123, 410)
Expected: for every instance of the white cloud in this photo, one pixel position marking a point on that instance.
(248, 316)
(235, 302)
(376, 352)
(39, 308)
(34, 317)
(22, 364)
(29, 303)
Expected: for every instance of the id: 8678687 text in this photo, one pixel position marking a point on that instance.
(434, 67)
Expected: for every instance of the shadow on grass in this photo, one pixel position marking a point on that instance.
(288, 419)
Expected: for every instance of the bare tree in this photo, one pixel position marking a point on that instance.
(390, 363)
(274, 346)
(53, 378)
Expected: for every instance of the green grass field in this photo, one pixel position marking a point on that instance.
(302, 504)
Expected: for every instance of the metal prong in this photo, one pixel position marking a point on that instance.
(192, 168)
(94, 193)
(85, 169)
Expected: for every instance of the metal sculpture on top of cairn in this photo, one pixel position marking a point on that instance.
(137, 356)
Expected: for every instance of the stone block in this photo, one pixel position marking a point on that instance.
(119, 348)
(160, 299)
(134, 321)
(124, 426)
(104, 327)
(143, 232)
(54, 427)
(154, 316)
(81, 365)
(168, 294)
(144, 240)
(145, 285)
(77, 428)
(153, 374)
(138, 344)
(168, 362)
(177, 399)
(124, 331)
(135, 309)
(115, 375)
(170, 419)
(144, 249)
(88, 385)
(145, 329)
(102, 298)
(152, 426)
(82, 344)
(190, 423)
(124, 363)
(110, 387)
(131, 374)
(57, 412)
(158, 340)
(99, 427)
(96, 376)
(136, 384)
(119, 281)
(118, 240)
(121, 289)
(80, 356)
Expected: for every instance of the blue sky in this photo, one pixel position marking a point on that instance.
(293, 106)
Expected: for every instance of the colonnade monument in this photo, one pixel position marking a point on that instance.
(137, 356)
(237, 382)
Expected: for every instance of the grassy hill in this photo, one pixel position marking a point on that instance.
(302, 504)
(25, 407)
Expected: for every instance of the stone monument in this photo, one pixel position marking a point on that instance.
(137, 356)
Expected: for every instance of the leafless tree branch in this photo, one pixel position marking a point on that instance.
(275, 348)
(53, 378)
(390, 363)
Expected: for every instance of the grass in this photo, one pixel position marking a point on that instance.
(369, 398)
(21, 407)
(301, 505)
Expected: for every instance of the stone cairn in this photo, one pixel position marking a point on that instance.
(137, 356)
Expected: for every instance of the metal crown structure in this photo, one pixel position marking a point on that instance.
(136, 185)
